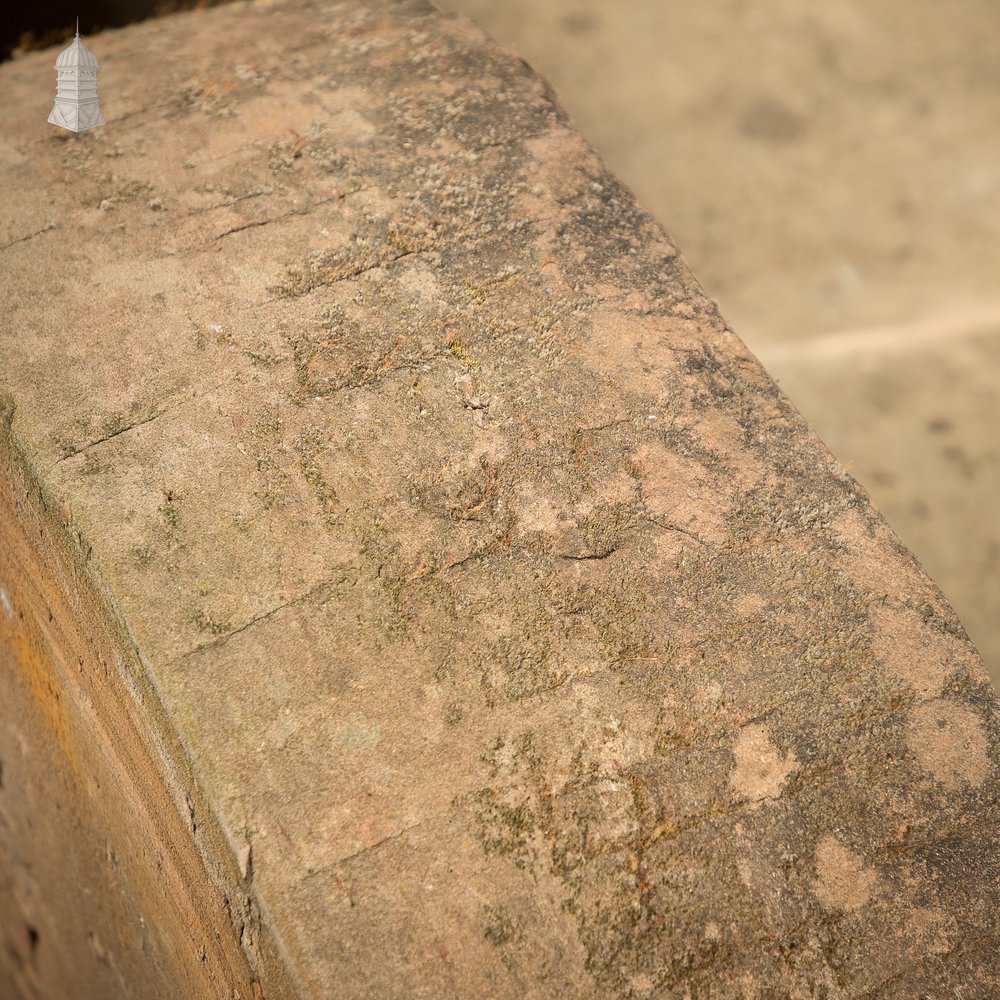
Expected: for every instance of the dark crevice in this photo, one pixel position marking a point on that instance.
(107, 437)
(284, 215)
(588, 555)
(30, 236)
(223, 639)
(667, 526)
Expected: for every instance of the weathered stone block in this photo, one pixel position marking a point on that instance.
(412, 587)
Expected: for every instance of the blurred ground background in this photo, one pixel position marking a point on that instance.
(832, 174)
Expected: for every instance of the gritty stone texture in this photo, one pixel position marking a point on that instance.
(918, 428)
(874, 304)
(843, 881)
(115, 878)
(760, 771)
(519, 635)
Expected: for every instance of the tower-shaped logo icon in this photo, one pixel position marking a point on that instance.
(76, 106)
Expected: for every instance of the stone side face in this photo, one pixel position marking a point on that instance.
(110, 883)
(522, 638)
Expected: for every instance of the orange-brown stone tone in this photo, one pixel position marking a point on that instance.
(463, 611)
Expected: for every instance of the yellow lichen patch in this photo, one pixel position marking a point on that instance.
(548, 247)
(616, 816)
(612, 488)
(761, 769)
(668, 546)
(351, 128)
(641, 984)
(843, 880)
(718, 431)
(949, 741)
(419, 280)
(257, 118)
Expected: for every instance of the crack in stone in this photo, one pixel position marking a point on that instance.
(604, 427)
(471, 557)
(22, 239)
(349, 275)
(226, 204)
(254, 224)
(355, 272)
(378, 843)
(668, 526)
(588, 555)
(326, 389)
(107, 437)
(328, 869)
(223, 639)
(278, 218)
(83, 449)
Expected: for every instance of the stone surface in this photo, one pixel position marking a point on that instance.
(832, 175)
(517, 634)
(918, 422)
(115, 877)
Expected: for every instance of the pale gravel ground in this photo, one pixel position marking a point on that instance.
(832, 174)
